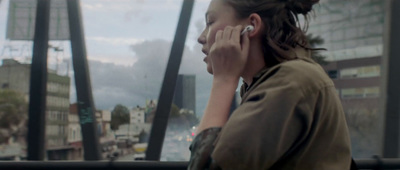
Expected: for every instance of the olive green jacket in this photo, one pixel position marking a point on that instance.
(290, 117)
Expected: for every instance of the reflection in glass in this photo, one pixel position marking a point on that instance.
(353, 37)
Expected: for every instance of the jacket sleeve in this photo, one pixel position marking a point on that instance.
(272, 119)
(201, 149)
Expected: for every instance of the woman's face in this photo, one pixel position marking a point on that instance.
(219, 15)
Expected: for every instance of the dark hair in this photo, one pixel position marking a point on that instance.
(282, 28)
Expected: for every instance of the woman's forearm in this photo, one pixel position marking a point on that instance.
(217, 111)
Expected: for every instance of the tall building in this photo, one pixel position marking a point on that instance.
(349, 27)
(353, 36)
(185, 92)
(16, 76)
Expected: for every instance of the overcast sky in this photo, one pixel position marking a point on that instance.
(128, 44)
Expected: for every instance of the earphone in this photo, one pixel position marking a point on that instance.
(247, 29)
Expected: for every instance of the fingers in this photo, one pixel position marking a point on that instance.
(236, 34)
(229, 34)
(233, 35)
(218, 35)
(228, 54)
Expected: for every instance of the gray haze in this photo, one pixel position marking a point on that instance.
(131, 85)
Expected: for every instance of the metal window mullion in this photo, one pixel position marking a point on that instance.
(167, 89)
(86, 109)
(391, 81)
(38, 83)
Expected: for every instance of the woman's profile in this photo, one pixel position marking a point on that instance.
(290, 116)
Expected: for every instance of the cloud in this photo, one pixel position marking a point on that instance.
(136, 5)
(154, 54)
(124, 60)
(113, 84)
(203, 1)
(116, 40)
(131, 85)
(195, 29)
(95, 6)
(129, 10)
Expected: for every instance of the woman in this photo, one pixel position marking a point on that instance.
(290, 116)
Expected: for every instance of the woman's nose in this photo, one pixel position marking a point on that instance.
(201, 39)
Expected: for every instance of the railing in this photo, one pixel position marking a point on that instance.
(95, 165)
(378, 163)
(373, 163)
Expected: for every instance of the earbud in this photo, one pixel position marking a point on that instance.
(247, 29)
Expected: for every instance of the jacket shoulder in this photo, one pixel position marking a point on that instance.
(305, 72)
(301, 75)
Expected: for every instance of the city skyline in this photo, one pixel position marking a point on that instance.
(120, 38)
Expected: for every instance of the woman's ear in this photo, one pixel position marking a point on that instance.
(256, 22)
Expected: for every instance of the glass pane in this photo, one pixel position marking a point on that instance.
(14, 92)
(125, 70)
(353, 39)
(17, 19)
(128, 44)
(16, 55)
(191, 92)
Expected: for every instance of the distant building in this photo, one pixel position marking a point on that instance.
(74, 134)
(353, 36)
(185, 92)
(150, 108)
(99, 122)
(349, 27)
(138, 124)
(106, 119)
(107, 138)
(12, 152)
(132, 130)
(137, 115)
(16, 76)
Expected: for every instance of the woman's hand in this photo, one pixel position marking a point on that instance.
(228, 57)
(229, 53)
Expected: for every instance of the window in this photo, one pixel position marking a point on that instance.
(333, 74)
(127, 65)
(360, 92)
(360, 72)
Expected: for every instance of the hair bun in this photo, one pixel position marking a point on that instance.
(301, 6)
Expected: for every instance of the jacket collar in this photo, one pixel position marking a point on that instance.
(300, 53)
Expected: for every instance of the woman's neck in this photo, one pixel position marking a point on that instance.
(255, 63)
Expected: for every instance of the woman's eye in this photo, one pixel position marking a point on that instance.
(209, 23)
